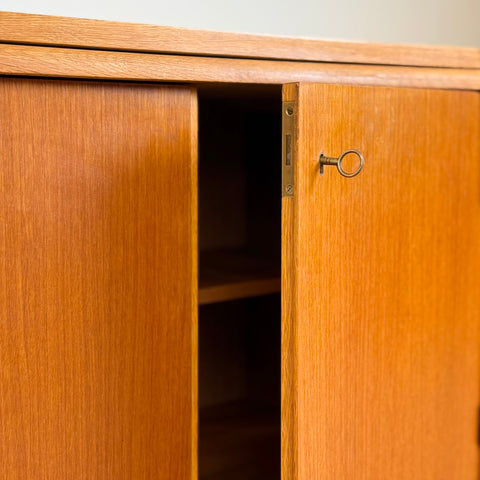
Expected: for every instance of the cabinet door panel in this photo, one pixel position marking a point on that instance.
(97, 280)
(381, 290)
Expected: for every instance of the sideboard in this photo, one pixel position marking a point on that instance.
(192, 284)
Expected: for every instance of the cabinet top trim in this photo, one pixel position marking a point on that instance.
(25, 60)
(30, 29)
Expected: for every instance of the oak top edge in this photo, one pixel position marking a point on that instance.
(38, 61)
(34, 29)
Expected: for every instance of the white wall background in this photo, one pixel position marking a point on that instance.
(441, 22)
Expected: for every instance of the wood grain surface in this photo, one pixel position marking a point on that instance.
(381, 296)
(99, 34)
(289, 375)
(92, 64)
(97, 281)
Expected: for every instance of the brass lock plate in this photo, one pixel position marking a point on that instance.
(288, 146)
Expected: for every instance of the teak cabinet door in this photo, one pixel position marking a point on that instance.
(97, 280)
(381, 287)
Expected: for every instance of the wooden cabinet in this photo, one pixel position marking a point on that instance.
(98, 204)
(165, 313)
(380, 286)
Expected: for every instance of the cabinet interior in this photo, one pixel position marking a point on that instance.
(239, 282)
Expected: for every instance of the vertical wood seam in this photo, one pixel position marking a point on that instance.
(194, 253)
(289, 327)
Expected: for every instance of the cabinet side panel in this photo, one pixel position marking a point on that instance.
(387, 299)
(97, 280)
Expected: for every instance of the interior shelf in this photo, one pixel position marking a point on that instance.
(239, 441)
(232, 274)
